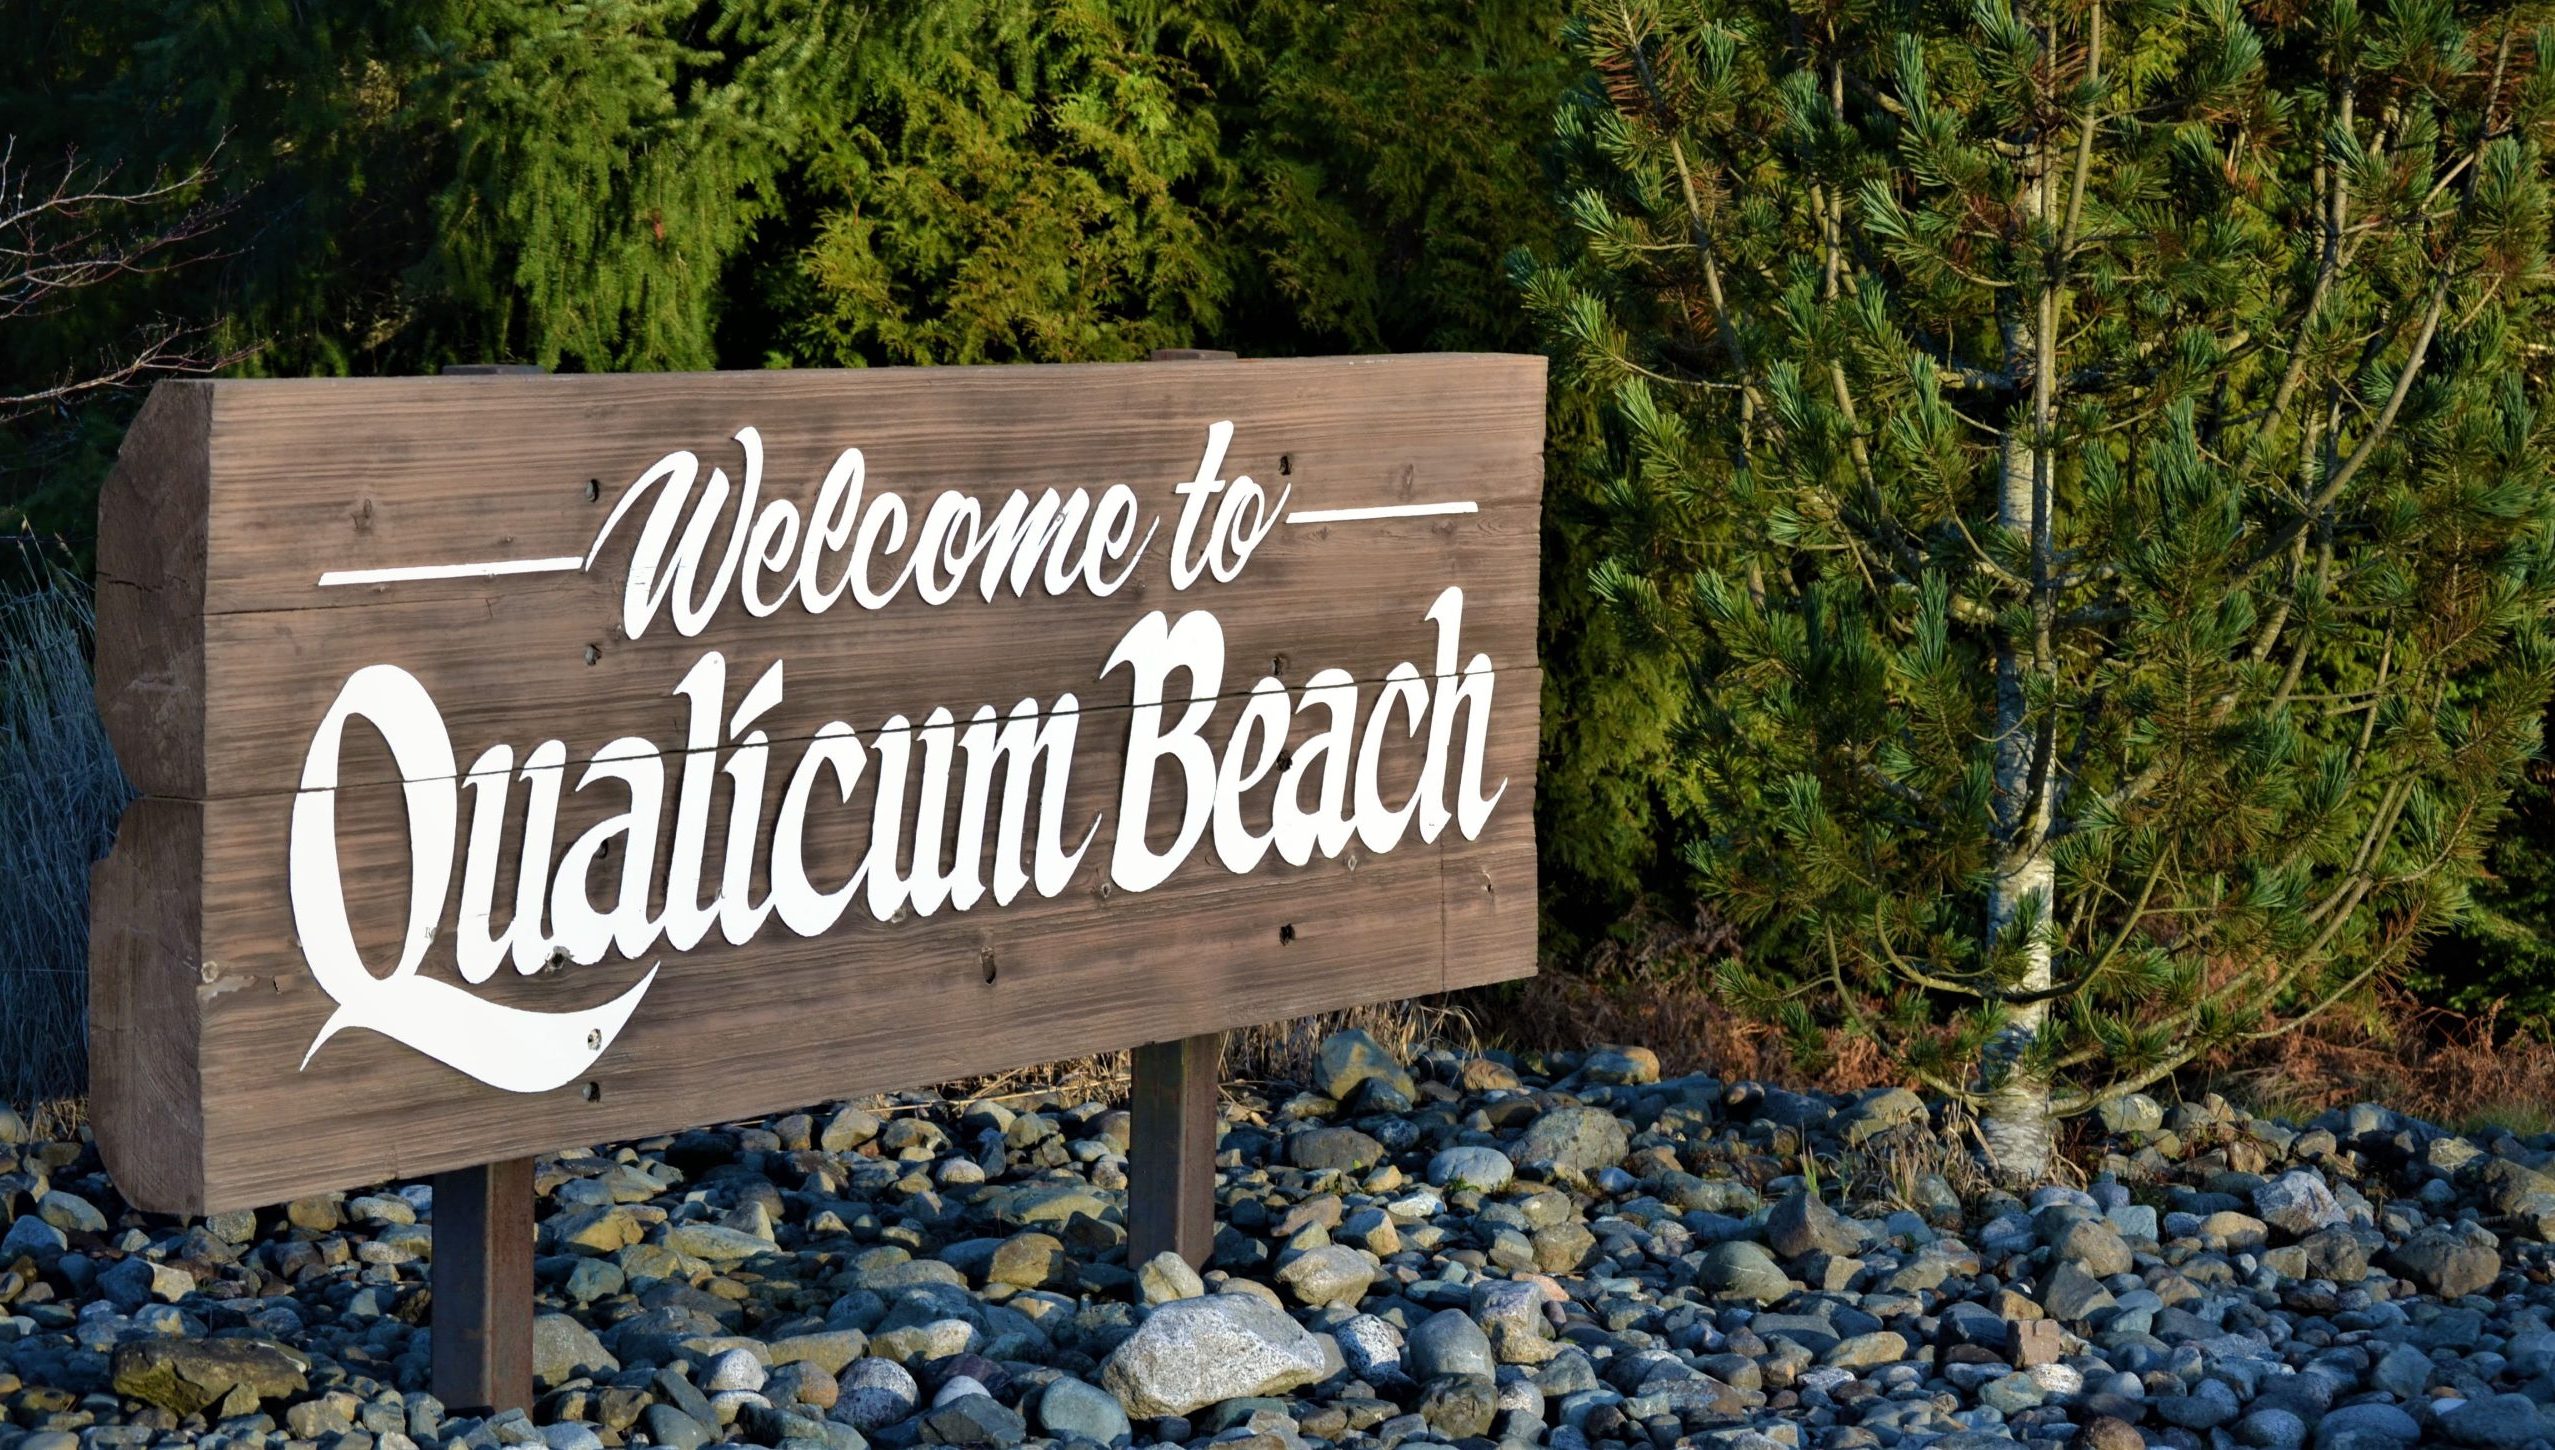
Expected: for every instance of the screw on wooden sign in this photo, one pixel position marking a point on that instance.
(564, 759)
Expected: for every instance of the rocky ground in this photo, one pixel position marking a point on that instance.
(1468, 1252)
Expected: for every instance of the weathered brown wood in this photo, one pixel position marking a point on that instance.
(1286, 608)
(355, 474)
(145, 959)
(352, 473)
(482, 1282)
(870, 1006)
(219, 653)
(1171, 1148)
(155, 511)
(1172, 1088)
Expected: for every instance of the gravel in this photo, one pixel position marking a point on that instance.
(1487, 1253)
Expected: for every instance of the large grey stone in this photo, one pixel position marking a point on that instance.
(189, 1376)
(2093, 1245)
(2404, 1372)
(1583, 1139)
(1348, 1059)
(563, 1349)
(1048, 1204)
(1448, 1342)
(715, 1243)
(2210, 1404)
(1333, 1150)
(1471, 1166)
(1197, 1351)
(1865, 1351)
(1742, 1270)
(1801, 1224)
(874, 1393)
(975, 1421)
(2072, 1295)
(1511, 1312)
(2366, 1427)
(849, 1129)
(2272, 1429)
(675, 1430)
(2502, 1422)
(31, 1235)
(1068, 1408)
(70, 1213)
(1333, 1274)
(2131, 1113)
(1877, 1113)
(1372, 1349)
(1459, 1407)
(2445, 1263)
(2298, 1203)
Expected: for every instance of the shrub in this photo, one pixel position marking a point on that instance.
(60, 796)
(2085, 463)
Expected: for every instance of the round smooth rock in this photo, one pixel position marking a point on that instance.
(1449, 1343)
(1070, 1409)
(1333, 1274)
(1471, 1166)
(733, 1369)
(875, 1393)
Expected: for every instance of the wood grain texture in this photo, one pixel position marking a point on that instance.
(482, 1285)
(1171, 1091)
(219, 653)
(154, 514)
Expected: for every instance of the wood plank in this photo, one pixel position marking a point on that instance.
(145, 956)
(154, 513)
(357, 473)
(1281, 616)
(388, 473)
(868, 1006)
(1171, 1094)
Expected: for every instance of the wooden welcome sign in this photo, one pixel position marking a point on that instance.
(536, 761)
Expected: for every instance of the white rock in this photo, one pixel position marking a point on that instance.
(1195, 1352)
(735, 1369)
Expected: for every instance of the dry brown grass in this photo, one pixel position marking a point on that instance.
(58, 1120)
(1274, 1052)
(1679, 1018)
(2460, 1070)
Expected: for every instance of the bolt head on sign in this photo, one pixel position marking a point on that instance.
(529, 761)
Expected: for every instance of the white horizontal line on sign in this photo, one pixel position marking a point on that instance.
(452, 571)
(1380, 511)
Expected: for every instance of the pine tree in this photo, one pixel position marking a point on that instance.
(2086, 460)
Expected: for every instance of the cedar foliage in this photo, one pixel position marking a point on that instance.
(651, 184)
(2084, 467)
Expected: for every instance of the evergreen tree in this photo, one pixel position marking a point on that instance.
(1386, 158)
(632, 184)
(2086, 461)
(1020, 182)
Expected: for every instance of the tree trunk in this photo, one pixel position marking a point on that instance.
(2016, 1121)
(2015, 1118)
